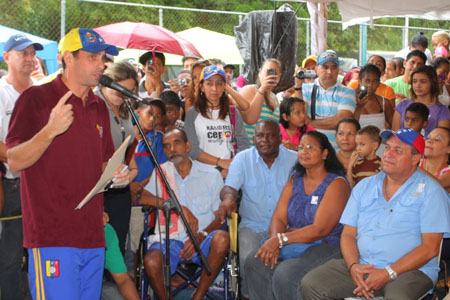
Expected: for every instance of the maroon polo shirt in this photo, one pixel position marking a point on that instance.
(52, 187)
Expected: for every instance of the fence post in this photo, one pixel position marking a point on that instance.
(241, 67)
(161, 21)
(308, 38)
(406, 33)
(63, 18)
(362, 44)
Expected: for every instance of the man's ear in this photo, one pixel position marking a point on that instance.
(164, 70)
(188, 146)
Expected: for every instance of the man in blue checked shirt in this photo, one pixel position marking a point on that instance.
(334, 101)
(393, 225)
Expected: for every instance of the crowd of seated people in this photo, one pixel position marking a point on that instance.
(341, 185)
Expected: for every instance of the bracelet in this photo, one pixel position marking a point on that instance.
(280, 242)
(217, 161)
(298, 88)
(131, 169)
(259, 92)
(350, 268)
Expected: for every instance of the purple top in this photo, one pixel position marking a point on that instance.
(438, 112)
(302, 207)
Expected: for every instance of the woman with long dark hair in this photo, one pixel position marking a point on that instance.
(304, 231)
(214, 127)
(424, 89)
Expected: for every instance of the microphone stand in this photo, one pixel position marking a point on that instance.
(168, 204)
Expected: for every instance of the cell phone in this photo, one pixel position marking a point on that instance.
(442, 77)
(362, 90)
(271, 71)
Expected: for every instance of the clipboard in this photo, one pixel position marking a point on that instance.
(108, 174)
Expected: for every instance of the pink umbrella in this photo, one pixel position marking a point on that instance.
(145, 36)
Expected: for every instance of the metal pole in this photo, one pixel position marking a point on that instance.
(161, 23)
(405, 41)
(241, 66)
(308, 38)
(63, 18)
(363, 44)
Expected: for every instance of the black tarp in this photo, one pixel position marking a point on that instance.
(268, 34)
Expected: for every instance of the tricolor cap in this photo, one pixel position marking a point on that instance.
(328, 55)
(309, 58)
(212, 70)
(87, 40)
(20, 42)
(407, 136)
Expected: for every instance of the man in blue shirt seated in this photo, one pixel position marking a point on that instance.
(393, 226)
(261, 172)
(198, 188)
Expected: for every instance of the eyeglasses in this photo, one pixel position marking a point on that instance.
(307, 147)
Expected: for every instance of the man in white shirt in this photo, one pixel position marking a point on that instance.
(19, 54)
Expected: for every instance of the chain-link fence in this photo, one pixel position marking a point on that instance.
(44, 18)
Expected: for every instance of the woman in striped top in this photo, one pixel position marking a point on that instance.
(263, 102)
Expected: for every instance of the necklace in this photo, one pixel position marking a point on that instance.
(385, 189)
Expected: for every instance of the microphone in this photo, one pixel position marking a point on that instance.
(108, 82)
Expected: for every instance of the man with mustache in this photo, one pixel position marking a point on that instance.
(328, 100)
(197, 188)
(393, 226)
(20, 55)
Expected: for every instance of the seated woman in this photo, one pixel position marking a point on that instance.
(435, 161)
(304, 231)
(346, 139)
(424, 89)
(214, 128)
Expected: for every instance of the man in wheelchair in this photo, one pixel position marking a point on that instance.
(198, 189)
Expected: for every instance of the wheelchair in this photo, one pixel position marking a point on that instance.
(226, 289)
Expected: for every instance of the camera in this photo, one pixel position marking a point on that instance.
(271, 71)
(182, 82)
(362, 90)
(302, 74)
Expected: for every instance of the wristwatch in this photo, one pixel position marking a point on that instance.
(392, 273)
(284, 238)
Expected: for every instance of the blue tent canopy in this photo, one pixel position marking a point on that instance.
(48, 54)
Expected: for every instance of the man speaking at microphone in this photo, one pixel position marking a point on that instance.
(60, 140)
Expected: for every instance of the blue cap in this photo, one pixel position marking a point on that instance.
(87, 40)
(20, 42)
(407, 136)
(212, 70)
(328, 55)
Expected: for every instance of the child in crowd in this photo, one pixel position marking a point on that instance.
(364, 162)
(150, 116)
(416, 117)
(292, 122)
(173, 107)
(440, 41)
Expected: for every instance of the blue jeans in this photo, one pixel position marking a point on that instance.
(11, 243)
(283, 282)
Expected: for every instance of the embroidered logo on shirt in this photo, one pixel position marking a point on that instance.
(314, 200)
(100, 130)
(52, 268)
(419, 190)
